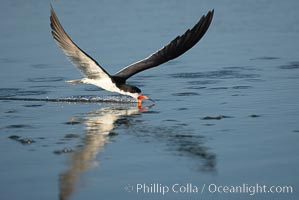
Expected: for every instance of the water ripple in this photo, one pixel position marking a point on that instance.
(290, 65)
(46, 79)
(219, 117)
(13, 92)
(220, 74)
(242, 87)
(185, 94)
(266, 58)
(204, 82)
(40, 66)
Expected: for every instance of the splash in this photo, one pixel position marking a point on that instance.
(77, 99)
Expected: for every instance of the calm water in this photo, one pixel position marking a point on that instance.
(226, 113)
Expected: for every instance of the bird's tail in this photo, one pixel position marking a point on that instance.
(74, 82)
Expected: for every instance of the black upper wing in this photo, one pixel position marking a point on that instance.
(175, 48)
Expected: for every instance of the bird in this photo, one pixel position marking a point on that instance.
(96, 75)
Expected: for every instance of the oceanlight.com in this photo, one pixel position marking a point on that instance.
(189, 188)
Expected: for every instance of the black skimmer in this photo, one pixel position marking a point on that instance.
(98, 76)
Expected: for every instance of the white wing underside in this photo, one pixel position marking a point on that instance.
(87, 65)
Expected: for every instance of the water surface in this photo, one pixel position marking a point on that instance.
(226, 112)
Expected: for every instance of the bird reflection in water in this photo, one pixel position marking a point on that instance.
(98, 125)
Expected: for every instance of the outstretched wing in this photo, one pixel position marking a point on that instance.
(175, 48)
(86, 64)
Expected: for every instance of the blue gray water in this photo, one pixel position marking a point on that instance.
(226, 112)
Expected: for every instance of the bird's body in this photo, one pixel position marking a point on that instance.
(104, 83)
(98, 76)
